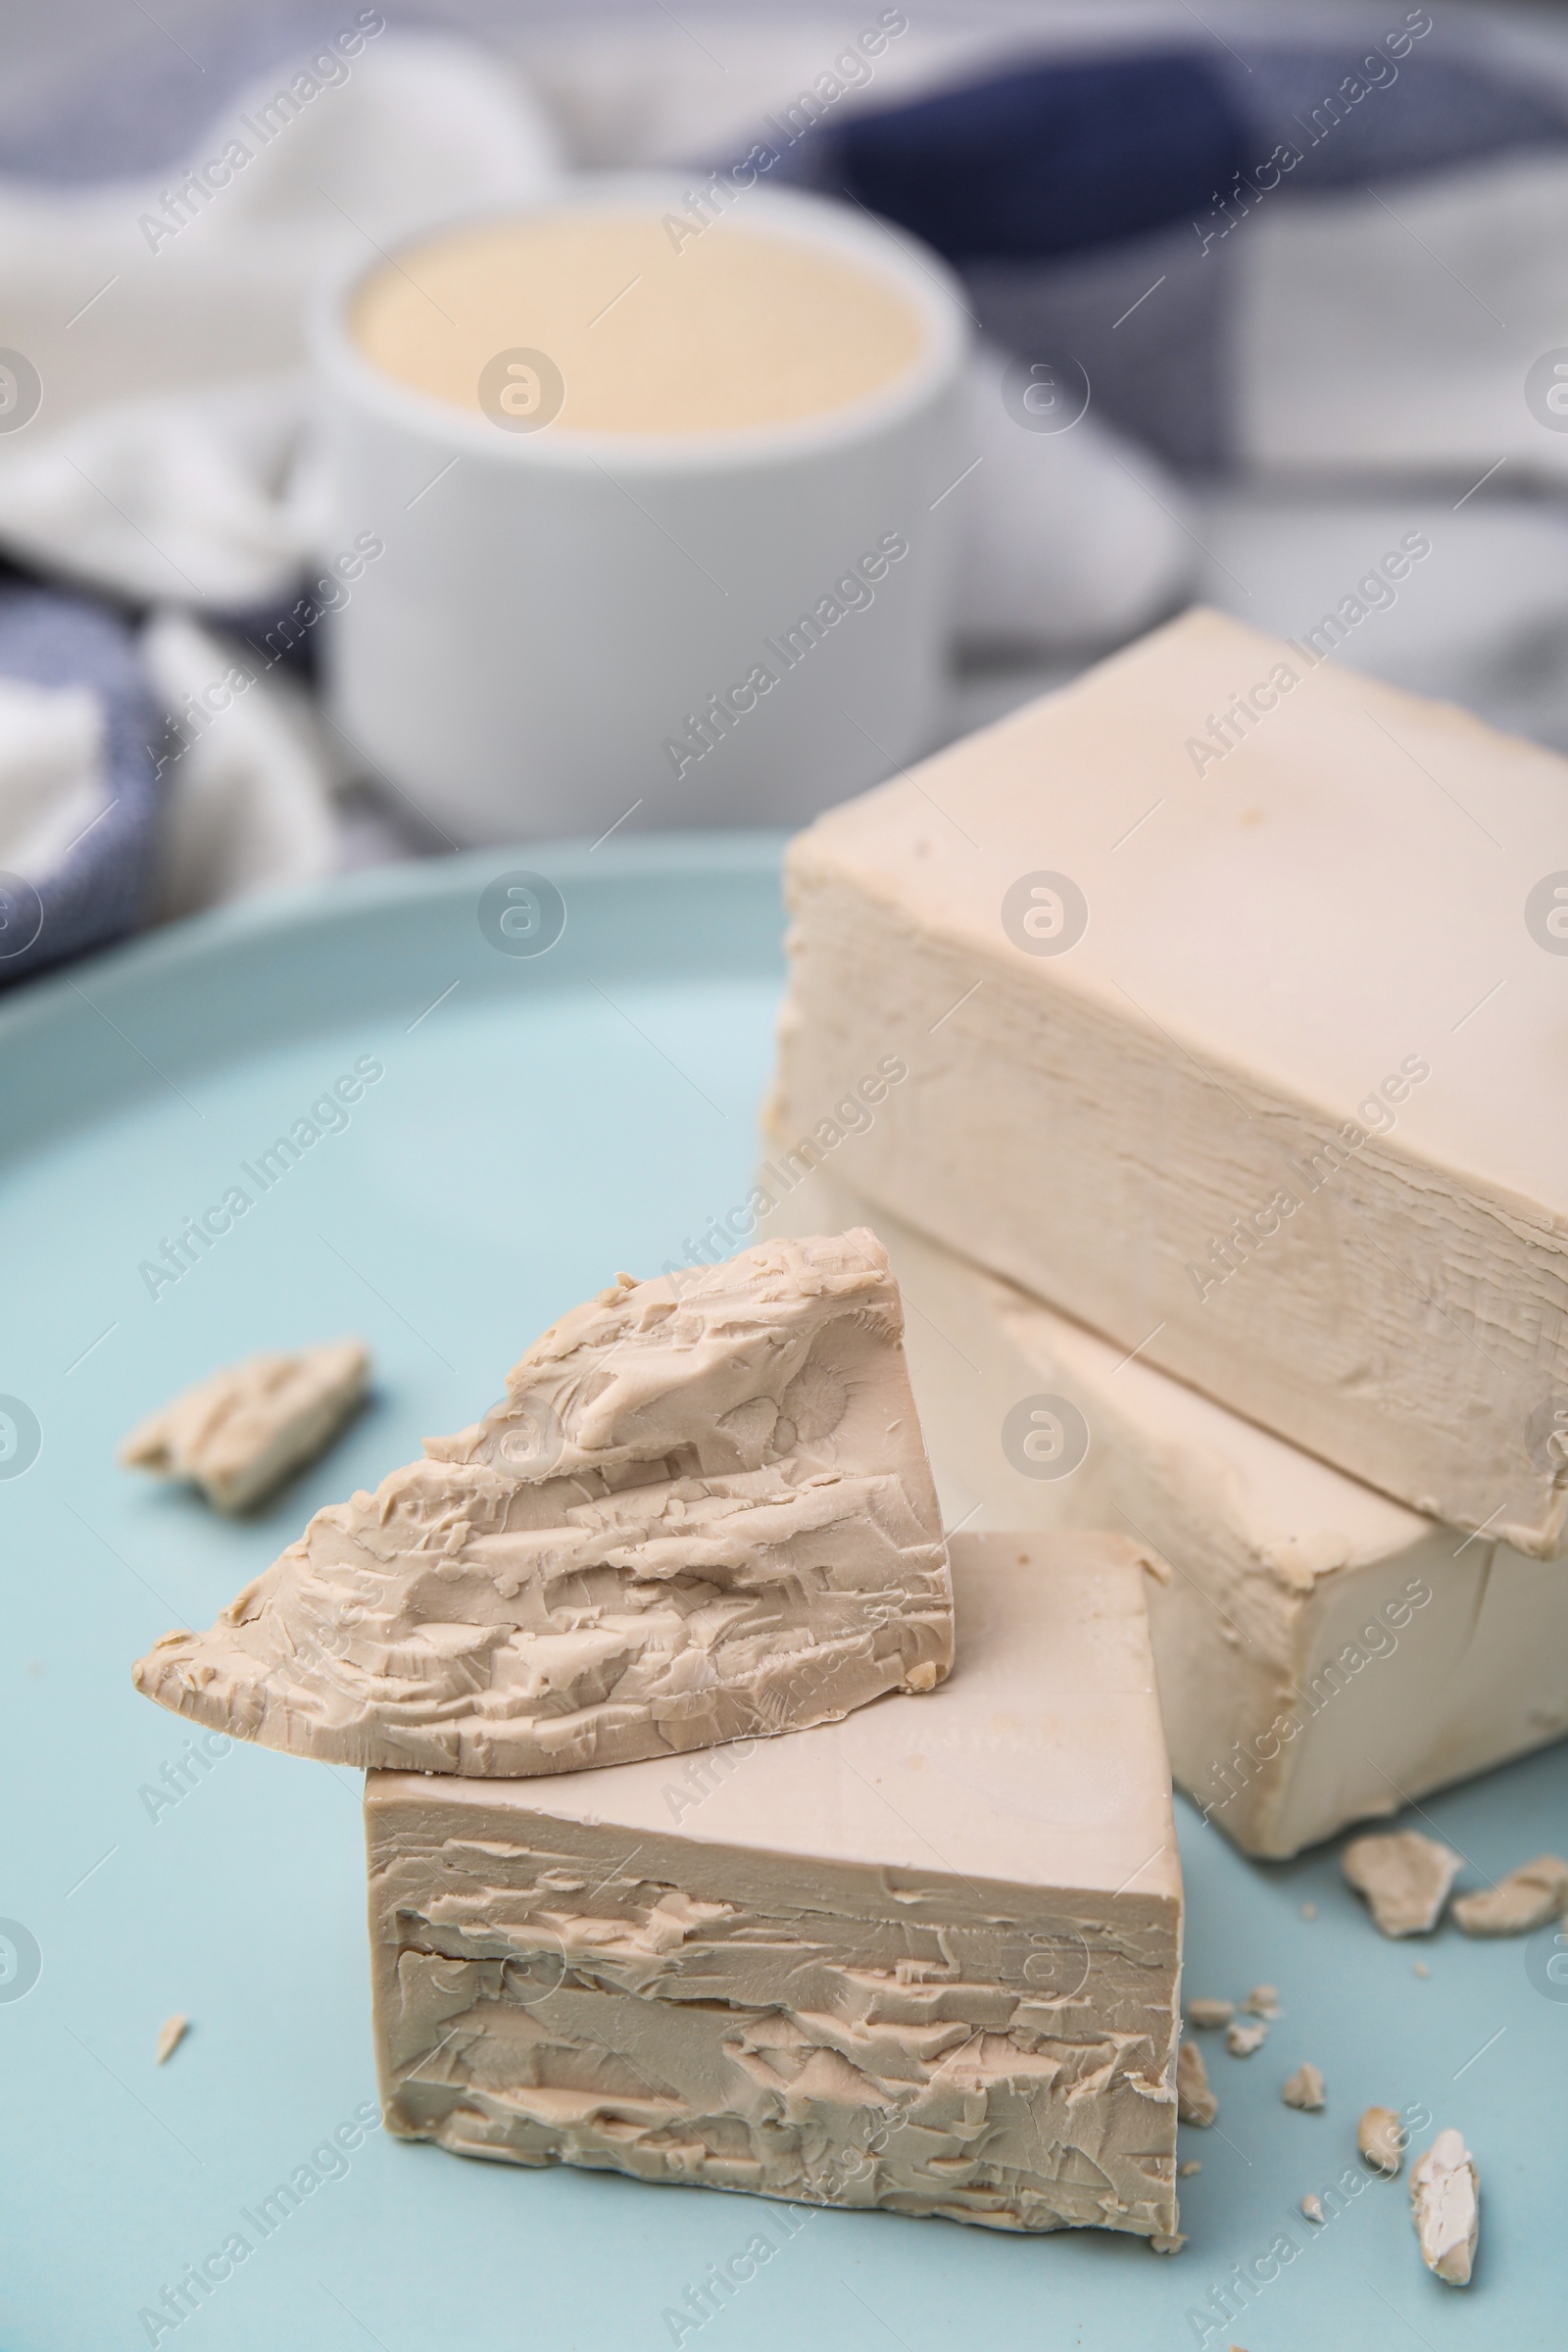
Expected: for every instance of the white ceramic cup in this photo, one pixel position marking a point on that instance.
(563, 628)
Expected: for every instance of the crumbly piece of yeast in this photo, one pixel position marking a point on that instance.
(1382, 2140)
(238, 1433)
(1323, 1652)
(1206, 2013)
(702, 1512)
(924, 1959)
(1223, 1027)
(1404, 1879)
(1304, 2089)
(1446, 2208)
(1526, 1899)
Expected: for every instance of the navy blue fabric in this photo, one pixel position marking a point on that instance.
(101, 890)
(1049, 159)
(1163, 370)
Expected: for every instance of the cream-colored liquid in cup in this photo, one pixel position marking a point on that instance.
(732, 329)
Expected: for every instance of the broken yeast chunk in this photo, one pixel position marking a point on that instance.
(1404, 1878)
(1206, 2014)
(1381, 2137)
(1446, 2208)
(1324, 1654)
(171, 2034)
(923, 1959)
(1303, 2088)
(702, 1512)
(1526, 1899)
(242, 1430)
(1229, 993)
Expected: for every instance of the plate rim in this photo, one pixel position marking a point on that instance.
(706, 853)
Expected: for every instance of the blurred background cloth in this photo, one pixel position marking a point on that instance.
(1260, 296)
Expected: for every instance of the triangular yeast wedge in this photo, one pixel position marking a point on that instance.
(703, 1512)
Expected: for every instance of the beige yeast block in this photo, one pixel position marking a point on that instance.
(1323, 1652)
(924, 1959)
(1198, 1048)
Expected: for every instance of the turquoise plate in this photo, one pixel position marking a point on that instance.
(539, 1120)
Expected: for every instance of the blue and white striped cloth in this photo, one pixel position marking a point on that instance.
(1298, 254)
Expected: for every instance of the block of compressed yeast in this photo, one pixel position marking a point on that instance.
(924, 1959)
(701, 1512)
(1323, 1652)
(1228, 989)
(242, 1430)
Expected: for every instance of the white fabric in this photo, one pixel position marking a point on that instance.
(248, 803)
(53, 774)
(1392, 333)
(161, 460)
(1482, 618)
(664, 91)
(1076, 538)
(168, 459)
(191, 495)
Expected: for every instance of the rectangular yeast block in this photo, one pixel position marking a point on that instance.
(1323, 1653)
(923, 1959)
(1228, 990)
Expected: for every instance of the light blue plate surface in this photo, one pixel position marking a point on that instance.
(539, 1124)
